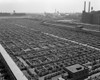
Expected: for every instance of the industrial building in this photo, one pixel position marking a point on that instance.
(2, 14)
(91, 17)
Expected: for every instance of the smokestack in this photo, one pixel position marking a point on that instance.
(89, 7)
(84, 6)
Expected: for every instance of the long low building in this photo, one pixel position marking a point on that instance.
(91, 17)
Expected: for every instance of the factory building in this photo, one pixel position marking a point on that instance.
(77, 72)
(91, 17)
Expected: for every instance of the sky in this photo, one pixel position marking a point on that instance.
(40, 6)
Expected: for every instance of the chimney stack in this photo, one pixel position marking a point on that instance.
(89, 7)
(84, 6)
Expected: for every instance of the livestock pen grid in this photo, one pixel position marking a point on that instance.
(42, 56)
